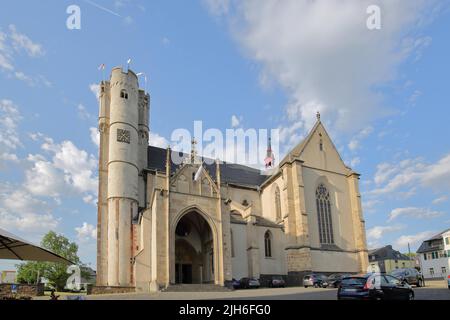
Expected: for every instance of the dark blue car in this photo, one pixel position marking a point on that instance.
(374, 287)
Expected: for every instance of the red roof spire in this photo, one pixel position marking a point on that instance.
(270, 158)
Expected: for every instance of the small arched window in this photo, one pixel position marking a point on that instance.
(124, 94)
(268, 244)
(277, 204)
(324, 215)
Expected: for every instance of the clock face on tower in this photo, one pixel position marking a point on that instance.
(123, 136)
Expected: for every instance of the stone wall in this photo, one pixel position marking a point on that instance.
(111, 290)
(6, 289)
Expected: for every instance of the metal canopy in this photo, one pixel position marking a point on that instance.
(14, 248)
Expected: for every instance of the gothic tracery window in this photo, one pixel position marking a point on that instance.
(268, 244)
(324, 215)
(277, 204)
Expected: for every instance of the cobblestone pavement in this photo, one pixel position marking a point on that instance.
(435, 290)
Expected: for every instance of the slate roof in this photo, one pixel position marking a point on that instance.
(386, 253)
(230, 173)
(426, 245)
(260, 221)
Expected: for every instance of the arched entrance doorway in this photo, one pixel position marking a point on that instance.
(194, 250)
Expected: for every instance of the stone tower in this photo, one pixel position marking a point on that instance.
(123, 126)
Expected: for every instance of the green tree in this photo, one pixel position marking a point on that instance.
(29, 272)
(55, 272)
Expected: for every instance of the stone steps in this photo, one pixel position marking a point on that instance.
(196, 288)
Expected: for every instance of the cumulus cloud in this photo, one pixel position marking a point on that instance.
(158, 141)
(322, 54)
(413, 212)
(19, 210)
(376, 233)
(412, 173)
(70, 171)
(9, 119)
(95, 89)
(86, 232)
(9, 134)
(95, 136)
(414, 239)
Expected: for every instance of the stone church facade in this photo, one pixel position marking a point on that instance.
(158, 226)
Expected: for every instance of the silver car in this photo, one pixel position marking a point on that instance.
(315, 280)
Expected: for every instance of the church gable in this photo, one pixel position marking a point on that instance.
(318, 151)
(183, 181)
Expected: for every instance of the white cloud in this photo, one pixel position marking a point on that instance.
(13, 43)
(414, 97)
(218, 7)
(86, 232)
(90, 199)
(21, 211)
(21, 41)
(70, 171)
(83, 113)
(158, 141)
(95, 89)
(413, 212)
(356, 140)
(411, 173)
(413, 240)
(9, 119)
(95, 136)
(322, 54)
(235, 121)
(440, 200)
(44, 179)
(369, 205)
(355, 161)
(9, 157)
(376, 233)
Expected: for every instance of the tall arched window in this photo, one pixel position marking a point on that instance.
(268, 244)
(324, 215)
(277, 204)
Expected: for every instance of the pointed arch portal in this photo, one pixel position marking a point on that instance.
(194, 250)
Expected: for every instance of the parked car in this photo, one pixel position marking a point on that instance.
(374, 287)
(335, 279)
(410, 275)
(236, 284)
(448, 281)
(248, 283)
(315, 280)
(277, 282)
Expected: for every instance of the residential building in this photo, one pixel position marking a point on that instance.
(434, 255)
(386, 259)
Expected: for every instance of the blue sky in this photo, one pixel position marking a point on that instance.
(383, 96)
